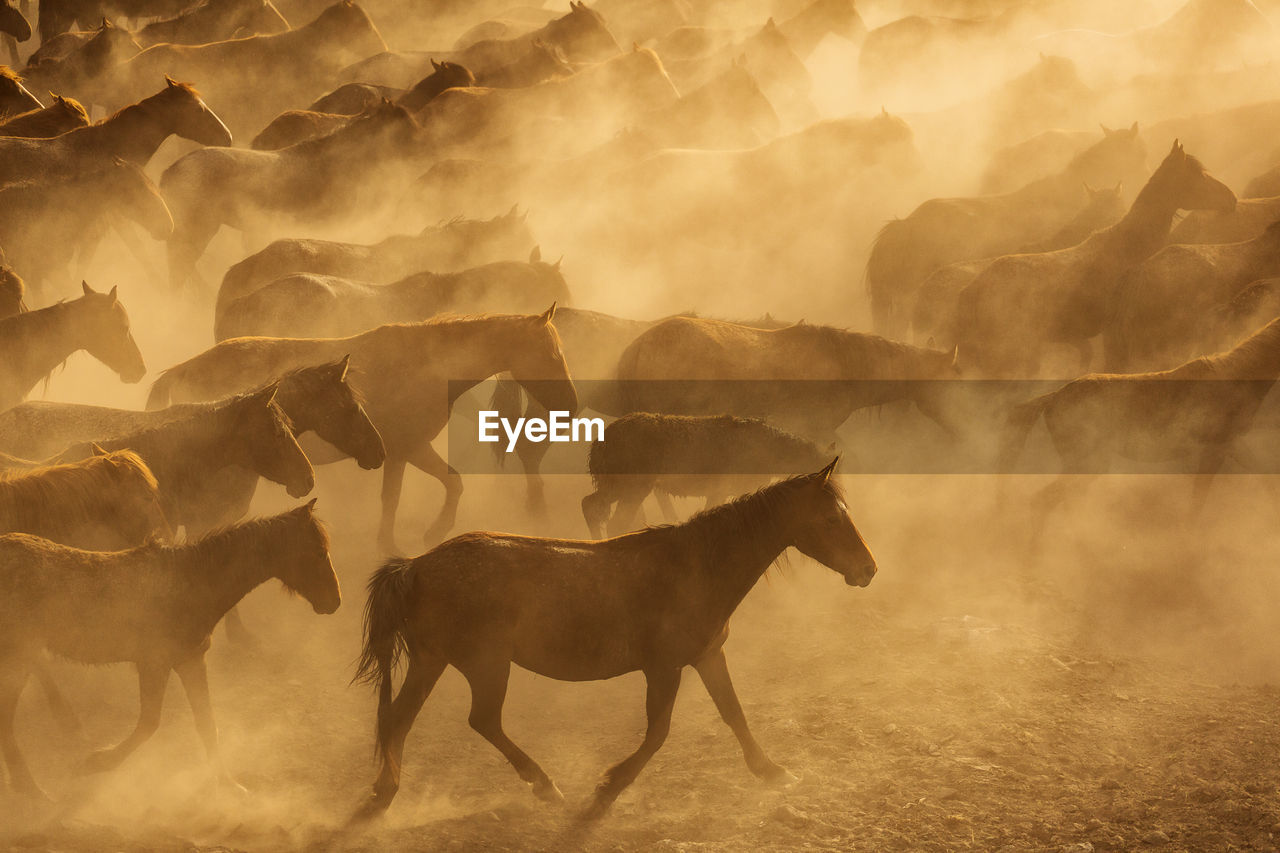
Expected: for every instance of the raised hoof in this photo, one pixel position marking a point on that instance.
(547, 791)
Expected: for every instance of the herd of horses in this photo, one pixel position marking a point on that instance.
(123, 533)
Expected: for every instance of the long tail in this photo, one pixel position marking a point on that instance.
(384, 640)
(161, 392)
(508, 402)
(1016, 429)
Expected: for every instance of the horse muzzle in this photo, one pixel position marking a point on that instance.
(861, 576)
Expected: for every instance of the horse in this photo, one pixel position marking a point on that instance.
(187, 452)
(12, 292)
(542, 62)
(108, 501)
(14, 97)
(447, 247)
(945, 230)
(655, 601)
(1164, 302)
(43, 221)
(215, 20)
(1045, 153)
(581, 36)
(294, 126)
(409, 376)
(806, 29)
(1020, 305)
(13, 27)
(33, 343)
(82, 68)
(1250, 218)
(305, 305)
(710, 456)
(62, 115)
(309, 182)
(351, 99)
(297, 62)
(132, 134)
(935, 306)
(1195, 413)
(1266, 185)
(154, 606)
(803, 378)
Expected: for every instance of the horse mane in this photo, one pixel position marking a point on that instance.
(358, 125)
(1160, 176)
(149, 102)
(1255, 357)
(30, 498)
(9, 74)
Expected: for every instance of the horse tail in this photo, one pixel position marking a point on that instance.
(384, 640)
(1016, 429)
(507, 401)
(161, 393)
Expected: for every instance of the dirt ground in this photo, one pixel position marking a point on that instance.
(1109, 702)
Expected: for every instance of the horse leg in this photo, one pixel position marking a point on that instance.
(195, 682)
(714, 671)
(531, 455)
(1211, 459)
(152, 679)
(630, 508)
(12, 680)
(394, 724)
(429, 462)
(392, 482)
(660, 697)
(488, 680)
(58, 704)
(595, 509)
(185, 248)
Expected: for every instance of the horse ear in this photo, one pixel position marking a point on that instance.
(1177, 147)
(435, 65)
(310, 505)
(84, 285)
(170, 82)
(955, 357)
(825, 474)
(536, 255)
(556, 265)
(98, 450)
(515, 209)
(112, 292)
(1133, 129)
(343, 365)
(1119, 187)
(1106, 131)
(546, 316)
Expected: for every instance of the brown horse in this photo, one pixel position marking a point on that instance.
(1021, 305)
(213, 187)
(81, 69)
(43, 222)
(298, 63)
(447, 247)
(13, 26)
(1165, 303)
(304, 305)
(582, 36)
(154, 606)
(729, 112)
(1250, 218)
(62, 115)
(711, 456)
(1195, 413)
(215, 20)
(946, 230)
(409, 376)
(110, 500)
(14, 97)
(133, 134)
(804, 378)
(655, 601)
(34, 343)
(541, 63)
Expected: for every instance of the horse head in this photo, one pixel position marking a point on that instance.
(823, 530)
(106, 335)
(538, 364)
(334, 411)
(306, 567)
(189, 115)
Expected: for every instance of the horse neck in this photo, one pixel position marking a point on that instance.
(738, 544)
(477, 349)
(1143, 230)
(170, 448)
(224, 567)
(133, 134)
(38, 341)
(293, 399)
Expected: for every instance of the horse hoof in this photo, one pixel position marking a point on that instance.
(547, 791)
(370, 809)
(779, 777)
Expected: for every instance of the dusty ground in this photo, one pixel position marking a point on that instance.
(1112, 706)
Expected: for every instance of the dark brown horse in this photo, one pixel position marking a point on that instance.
(655, 601)
(687, 456)
(449, 246)
(133, 134)
(34, 343)
(316, 181)
(154, 606)
(44, 222)
(62, 115)
(409, 376)
(305, 305)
